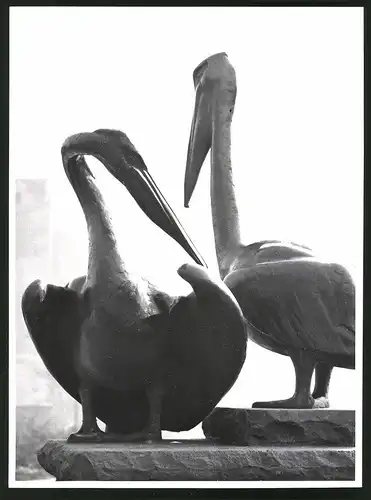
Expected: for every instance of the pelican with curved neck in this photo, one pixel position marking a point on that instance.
(132, 355)
(315, 340)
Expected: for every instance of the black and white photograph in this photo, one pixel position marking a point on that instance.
(186, 247)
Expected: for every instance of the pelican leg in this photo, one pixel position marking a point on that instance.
(153, 428)
(152, 431)
(89, 430)
(322, 381)
(304, 365)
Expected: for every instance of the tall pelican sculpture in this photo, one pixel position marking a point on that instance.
(294, 304)
(133, 356)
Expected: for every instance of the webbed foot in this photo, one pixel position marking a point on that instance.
(291, 403)
(96, 436)
(135, 437)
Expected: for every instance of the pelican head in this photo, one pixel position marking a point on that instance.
(215, 83)
(117, 153)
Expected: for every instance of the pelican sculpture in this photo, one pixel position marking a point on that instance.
(294, 304)
(133, 356)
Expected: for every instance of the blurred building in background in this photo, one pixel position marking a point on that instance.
(44, 410)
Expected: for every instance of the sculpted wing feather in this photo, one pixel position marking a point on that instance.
(53, 322)
(273, 250)
(301, 303)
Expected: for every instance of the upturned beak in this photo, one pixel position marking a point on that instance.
(114, 149)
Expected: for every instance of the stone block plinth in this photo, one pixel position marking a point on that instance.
(266, 427)
(202, 460)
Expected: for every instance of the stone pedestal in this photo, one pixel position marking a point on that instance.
(241, 445)
(265, 427)
(202, 460)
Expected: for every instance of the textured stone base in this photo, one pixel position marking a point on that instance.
(260, 427)
(201, 460)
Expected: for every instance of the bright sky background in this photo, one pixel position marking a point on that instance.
(297, 135)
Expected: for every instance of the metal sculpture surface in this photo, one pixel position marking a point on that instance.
(294, 304)
(133, 356)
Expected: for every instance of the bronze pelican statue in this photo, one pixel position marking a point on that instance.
(294, 304)
(133, 356)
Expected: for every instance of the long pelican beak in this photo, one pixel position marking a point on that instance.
(199, 141)
(212, 78)
(114, 149)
